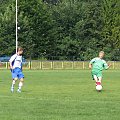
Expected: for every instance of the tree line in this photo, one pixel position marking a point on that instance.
(61, 29)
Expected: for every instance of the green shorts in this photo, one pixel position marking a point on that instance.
(97, 73)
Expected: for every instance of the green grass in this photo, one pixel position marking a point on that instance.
(60, 95)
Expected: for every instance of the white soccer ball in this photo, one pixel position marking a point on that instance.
(18, 28)
(99, 87)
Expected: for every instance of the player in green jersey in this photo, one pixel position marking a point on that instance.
(97, 65)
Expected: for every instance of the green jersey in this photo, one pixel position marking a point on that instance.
(98, 64)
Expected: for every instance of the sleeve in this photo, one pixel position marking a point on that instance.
(12, 58)
(105, 65)
(92, 61)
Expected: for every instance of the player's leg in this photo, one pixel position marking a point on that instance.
(20, 85)
(94, 76)
(96, 79)
(99, 77)
(13, 83)
(21, 78)
(14, 77)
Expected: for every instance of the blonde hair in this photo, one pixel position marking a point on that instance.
(102, 52)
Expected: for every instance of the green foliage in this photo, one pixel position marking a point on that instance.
(7, 29)
(68, 29)
(111, 29)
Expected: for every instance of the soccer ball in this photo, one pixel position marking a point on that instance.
(99, 87)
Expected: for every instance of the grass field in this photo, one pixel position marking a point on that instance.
(60, 95)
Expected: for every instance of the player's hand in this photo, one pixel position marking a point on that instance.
(11, 67)
(109, 64)
(90, 66)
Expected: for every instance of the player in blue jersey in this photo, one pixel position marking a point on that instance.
(16, 69)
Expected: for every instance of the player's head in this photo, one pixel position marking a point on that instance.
(20, 50)
(101, 54)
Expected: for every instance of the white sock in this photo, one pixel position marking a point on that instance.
(13, 83)
(20, 85)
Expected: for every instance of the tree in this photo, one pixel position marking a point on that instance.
(111, 29)
(7, 29)
(67, 29)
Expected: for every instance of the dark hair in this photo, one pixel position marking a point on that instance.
(19, 49)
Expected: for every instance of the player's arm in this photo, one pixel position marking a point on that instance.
(106, 66)
(11, 61)
(91, 62)
(11, 67)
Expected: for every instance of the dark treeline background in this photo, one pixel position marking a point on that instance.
(61, 29)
